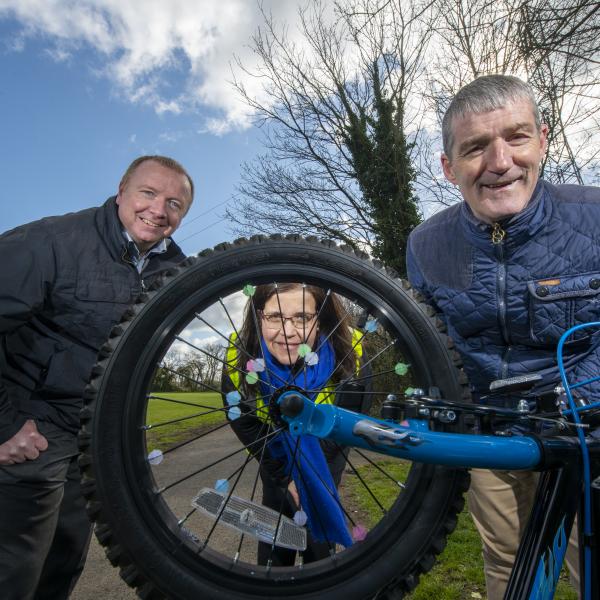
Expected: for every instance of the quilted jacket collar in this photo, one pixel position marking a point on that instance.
(519, 227)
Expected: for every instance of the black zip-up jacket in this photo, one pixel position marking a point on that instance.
(64, 282)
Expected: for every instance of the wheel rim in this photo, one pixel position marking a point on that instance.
(163, 499)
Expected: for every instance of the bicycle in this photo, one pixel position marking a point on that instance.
(182, 520)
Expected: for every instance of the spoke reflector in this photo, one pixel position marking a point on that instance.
(359, 533)
(303, 350)
(233, 398)
(255, 364)
(234, 413)
(249, 290)
(371, 326)
(155, 457)
(300, 518)
(222, 485)
(311, 359)
(401, 369)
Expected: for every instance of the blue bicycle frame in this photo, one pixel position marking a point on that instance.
(566, 464)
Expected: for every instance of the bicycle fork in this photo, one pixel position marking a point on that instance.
(544, 544)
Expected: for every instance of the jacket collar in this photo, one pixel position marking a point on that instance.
(110, 228)
(519, 227)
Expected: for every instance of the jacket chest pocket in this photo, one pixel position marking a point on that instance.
(103, 300)
(556, 304)
(88, 305)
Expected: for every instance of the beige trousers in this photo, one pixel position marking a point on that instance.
(500, 503)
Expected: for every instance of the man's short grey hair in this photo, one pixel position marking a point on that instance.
(485, 94)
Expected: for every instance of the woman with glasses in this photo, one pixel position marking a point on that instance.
(295, 335)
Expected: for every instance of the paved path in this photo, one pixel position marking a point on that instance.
(101, 581)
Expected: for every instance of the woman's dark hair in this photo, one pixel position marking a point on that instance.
(332, 317)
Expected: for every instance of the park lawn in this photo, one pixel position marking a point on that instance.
(161, 411)
(458, 572)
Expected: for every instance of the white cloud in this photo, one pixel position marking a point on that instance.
(172, 56)
(215, 324)
(170, 136)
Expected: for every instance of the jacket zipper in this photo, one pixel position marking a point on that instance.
(125, 259)
(498, 236)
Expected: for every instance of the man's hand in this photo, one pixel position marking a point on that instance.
(26, 444)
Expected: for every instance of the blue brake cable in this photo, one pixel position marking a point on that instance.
(574, 413)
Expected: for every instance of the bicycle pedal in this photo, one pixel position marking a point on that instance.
(251, 518)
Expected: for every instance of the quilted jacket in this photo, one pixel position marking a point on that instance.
(507, 304)
(65, 281)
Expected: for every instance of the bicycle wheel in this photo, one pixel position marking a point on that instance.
(150, 450)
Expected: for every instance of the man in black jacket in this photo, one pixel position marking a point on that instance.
(65, 281)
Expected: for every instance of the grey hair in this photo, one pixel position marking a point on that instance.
(484, 94)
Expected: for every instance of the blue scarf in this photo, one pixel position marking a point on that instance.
(309, 468)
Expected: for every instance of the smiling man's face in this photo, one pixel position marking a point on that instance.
(495, 159)
(152, 203)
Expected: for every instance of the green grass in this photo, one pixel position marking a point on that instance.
(458, 572)
(161, 411)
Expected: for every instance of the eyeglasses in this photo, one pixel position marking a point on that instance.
(277, 321)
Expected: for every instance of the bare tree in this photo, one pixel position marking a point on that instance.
(213, 363)
(167, 378)
(351, 115)
(560, 43)
(338, 156)
(551, 43)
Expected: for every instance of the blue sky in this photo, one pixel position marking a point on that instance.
(87, 87)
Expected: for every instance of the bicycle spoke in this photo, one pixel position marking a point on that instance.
(244, 462)
(222, 510)
(190, 379)
(224, 362)
(378, 467)
(201, 435)
(206, 467)
(181, 419)
(287, 346)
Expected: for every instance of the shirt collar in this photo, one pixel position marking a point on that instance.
(158, 248)
(141, 260)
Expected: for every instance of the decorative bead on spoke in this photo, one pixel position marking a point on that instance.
(255, 364)
(359, 533)
(222, 485)
(303, 350)
(371, 326)
(249, 290)
(155, 457)
(300, 518)
(401, 369)
(251, 378)
(234, 413)
(311, 359)
(233, 398)
(409, 391)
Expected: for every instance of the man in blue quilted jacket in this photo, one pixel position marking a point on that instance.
(509, 269)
